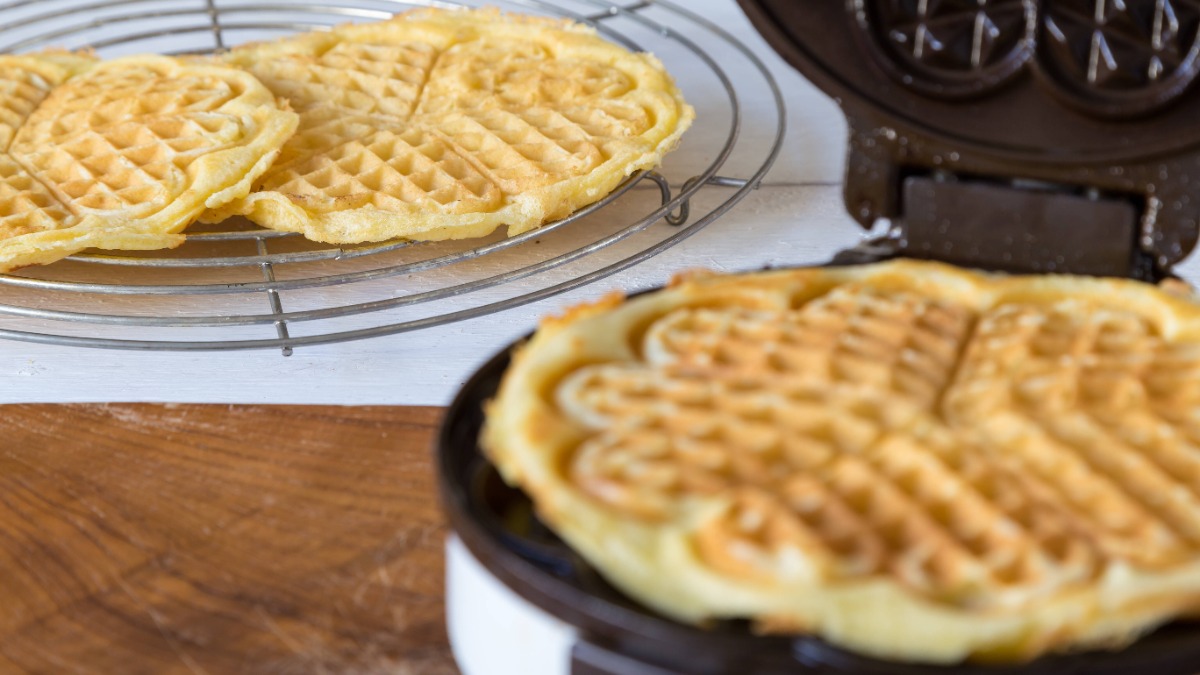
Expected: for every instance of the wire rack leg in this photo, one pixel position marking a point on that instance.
(214, 18)
(273, 296)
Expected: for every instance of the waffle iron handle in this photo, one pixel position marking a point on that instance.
(991, 221)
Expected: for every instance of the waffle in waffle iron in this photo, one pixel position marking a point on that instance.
(912, 461)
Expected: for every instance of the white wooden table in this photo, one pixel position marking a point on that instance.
(795, 217)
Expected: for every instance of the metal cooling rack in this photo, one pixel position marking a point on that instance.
(235, 286)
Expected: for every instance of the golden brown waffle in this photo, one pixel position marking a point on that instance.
(907, 459)
(448, 124)
(25, 81)
(124, 154)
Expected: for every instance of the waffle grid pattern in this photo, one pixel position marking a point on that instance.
(26, 205)
(1007, 465)
(21, 91)
(513, 146)
(110, 155)
(979, 459)
(1102, 401)
(443, 114)
(110, 144)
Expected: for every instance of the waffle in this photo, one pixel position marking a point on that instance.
(907, 459)
(448, 124)
(124, 154)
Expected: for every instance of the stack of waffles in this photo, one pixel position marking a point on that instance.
(434, 125)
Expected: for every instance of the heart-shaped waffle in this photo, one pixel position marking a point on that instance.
(448, 124)
(124, 154)
(907, 459)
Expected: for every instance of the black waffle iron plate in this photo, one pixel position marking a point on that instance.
(1030, 137)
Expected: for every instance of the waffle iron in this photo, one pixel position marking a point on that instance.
(1013, 135)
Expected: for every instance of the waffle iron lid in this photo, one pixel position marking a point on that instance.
(1018, 135)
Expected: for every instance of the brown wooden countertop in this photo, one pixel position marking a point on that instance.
(217, 539)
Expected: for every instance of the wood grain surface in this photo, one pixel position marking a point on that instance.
(216, 539)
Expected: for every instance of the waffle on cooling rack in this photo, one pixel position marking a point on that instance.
(448, 124)
(907, 459)
(123, 154)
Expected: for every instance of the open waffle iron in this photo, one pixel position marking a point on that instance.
(1022, 136)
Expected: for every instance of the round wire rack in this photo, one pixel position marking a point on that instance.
(236, 286)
